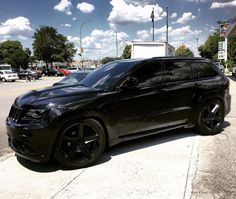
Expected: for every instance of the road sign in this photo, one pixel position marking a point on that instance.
(221, 54)
(224, 29)
(221, 46)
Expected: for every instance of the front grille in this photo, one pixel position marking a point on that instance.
(15, 113)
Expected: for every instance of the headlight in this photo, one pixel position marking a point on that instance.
(36, 113)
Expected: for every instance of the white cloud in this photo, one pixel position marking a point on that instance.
(173, 15)
(223, 4)
(85, 7)
(19, 26)
(198, 1)
(4, 37)
(74, 18)
(64, 6)
(177, 37)
(145, 35)
(127, 13)
(186, 17)
(101, 43)
(73, 39)
(164, 14)
(66, 25)
(139, 2)
(22, 37)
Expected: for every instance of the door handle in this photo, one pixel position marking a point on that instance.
(162, 90)
(197, 85)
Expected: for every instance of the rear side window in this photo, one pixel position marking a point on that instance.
(149, 74)
(202, 70)
(177, 71)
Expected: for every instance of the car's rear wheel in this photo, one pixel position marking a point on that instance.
(211, 118)
(3, 79)
(80, 144)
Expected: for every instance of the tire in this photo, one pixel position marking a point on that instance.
(211, 118)
(3, 79)
(13, 80)
(80, 144)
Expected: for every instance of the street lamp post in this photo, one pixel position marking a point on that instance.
(80, 37)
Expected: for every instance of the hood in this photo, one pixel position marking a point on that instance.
(54, 93)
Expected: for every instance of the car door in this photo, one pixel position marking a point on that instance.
(140, 109)
(178, 77)
(1, 74)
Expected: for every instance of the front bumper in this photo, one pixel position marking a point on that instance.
(11, 78)
(32, 144)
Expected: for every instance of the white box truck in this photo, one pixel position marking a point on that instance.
(151, 49)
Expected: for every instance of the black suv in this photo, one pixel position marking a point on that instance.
(120, 101)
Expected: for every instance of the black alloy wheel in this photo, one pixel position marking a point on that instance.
(211, 118)
(80, 144)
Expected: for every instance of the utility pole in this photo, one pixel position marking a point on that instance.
(152, 18)
(167, 24)
(80, 37)
(116, 46)
(197, 44)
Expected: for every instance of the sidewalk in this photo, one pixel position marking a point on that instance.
(160, 166)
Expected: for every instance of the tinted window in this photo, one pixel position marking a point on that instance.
(202, 70)
(74, 78)
(108, 74)
(149, 74)
(177, 71)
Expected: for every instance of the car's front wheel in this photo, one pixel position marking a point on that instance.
(3, 79)
(80, 144)
(211, 117)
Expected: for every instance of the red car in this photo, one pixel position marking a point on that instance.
(64, 71)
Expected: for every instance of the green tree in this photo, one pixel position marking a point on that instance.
(127, 52)
(13, 53)
(210, 48)
(232, 49)
(108, 59)
(184, 51)
(50, 46)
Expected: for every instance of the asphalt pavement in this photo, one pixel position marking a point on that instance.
(174, 165)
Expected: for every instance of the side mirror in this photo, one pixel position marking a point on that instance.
(130, 83)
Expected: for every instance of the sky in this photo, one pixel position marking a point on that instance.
(99, 22)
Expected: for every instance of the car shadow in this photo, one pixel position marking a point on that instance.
(119, 149)
(150, 141)
(232, 78)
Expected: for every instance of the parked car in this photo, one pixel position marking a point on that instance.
(8, 76)
(29, 74)
(234, 71)
(220, 66)
(73, 69)
(64, 71)
(52, 72)
(73, 78)
(119, 101)
(90, 69)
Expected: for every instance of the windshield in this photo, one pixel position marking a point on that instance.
(8, 72)
(74, 78)
(108, 74)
